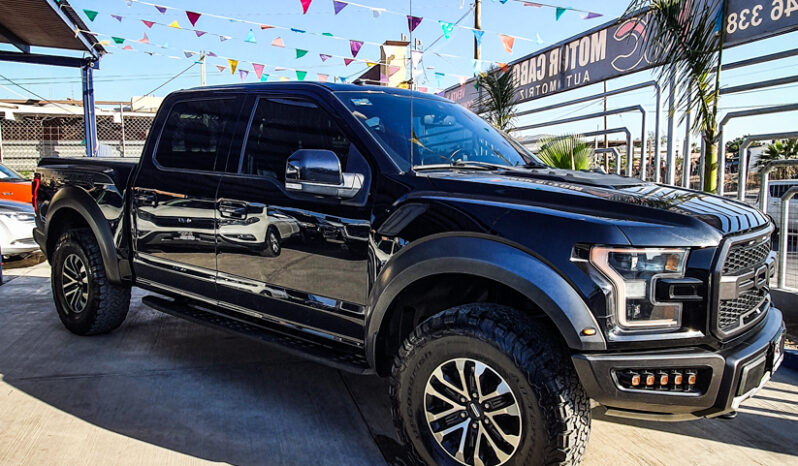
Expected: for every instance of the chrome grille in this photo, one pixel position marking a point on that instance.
(742, 260)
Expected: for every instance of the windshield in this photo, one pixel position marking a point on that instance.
(443, 132)
(7, 174)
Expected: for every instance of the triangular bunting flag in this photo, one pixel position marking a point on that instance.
(127, 47)
(328, 34)
(145, 39)
(354, 46)
(508, 42)
(284, 78)
(193, 17)
(301, 31)
(127, 2)
(250, 37)
(301, 53)
(233, 65)
(413, 22)
(300, 75)
(392, 70)
(538, 39)
(347, 61)
(324, 57)
(117, 17)
(478, 35)
(447, 29)
(118, 40)
(174, 24)
(264, 78)
(342, 79)
(278, 42)
(221, 68)
(370, 63)
(383, 78)
(188, 53)
(338, 6)
(243, 74)
(199, 33)
(265, 26)
(422, 89)
(536, 5)
(323, 77)
(148, 23)
(91, 14)
(105, 42)
(279, 68)
(161, 9)
(375, 12)
(415, 57)
(223, 38)
(503, 66)
(559, 13)
(258, 69)
(591, 15)
(305, 5)
(211, 54)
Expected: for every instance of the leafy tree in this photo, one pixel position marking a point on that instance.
(780, 150)
(685, 38)
(733, 146)
(498, 100)
(569, 152)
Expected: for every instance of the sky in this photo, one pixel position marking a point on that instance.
(127, 73)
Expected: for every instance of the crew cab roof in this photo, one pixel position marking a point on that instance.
(300, 85)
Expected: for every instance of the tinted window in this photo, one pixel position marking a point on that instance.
(282, 126)
(196, 134)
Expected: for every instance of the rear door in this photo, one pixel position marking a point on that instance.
(295, 258)
(174, 196)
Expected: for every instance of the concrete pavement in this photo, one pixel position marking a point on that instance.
(160, 390)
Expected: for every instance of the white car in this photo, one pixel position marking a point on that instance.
(776, 189)
(17, 221)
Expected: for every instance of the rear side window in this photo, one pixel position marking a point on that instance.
(196, 134)
(282, 126)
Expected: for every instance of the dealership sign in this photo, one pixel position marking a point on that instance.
(618, 48)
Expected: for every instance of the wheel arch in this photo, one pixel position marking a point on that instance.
(486, 260)
(72, 207)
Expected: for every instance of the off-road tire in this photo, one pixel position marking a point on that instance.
(555, 411)
(107, 304)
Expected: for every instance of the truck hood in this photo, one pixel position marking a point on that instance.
(635, 206)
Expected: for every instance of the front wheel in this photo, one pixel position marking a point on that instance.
(87, 303)
(480, 385)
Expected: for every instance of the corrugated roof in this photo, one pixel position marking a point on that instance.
(46, 23)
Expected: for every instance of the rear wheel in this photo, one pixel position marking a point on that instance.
(481, 385)
(87, 303)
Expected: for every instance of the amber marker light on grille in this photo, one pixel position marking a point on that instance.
(677, 377)
(590, 331)
(650, 379)
(691, 378)
(663, 378)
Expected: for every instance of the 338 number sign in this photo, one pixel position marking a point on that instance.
(748, 20)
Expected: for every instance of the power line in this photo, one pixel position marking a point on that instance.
(168, 81)
(36, 95)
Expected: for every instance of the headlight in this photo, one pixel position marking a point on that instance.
(19, 216)
(632, 275)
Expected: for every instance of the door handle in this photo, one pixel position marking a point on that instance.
(233, 209)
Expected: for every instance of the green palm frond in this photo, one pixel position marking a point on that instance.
(497, 100)
(569, 152)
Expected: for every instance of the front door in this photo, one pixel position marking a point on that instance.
(174, 198)
(297, 259)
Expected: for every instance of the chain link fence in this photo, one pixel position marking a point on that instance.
(26, 139)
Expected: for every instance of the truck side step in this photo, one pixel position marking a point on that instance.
(323, 352)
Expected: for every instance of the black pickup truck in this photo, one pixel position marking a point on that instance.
(384, 231)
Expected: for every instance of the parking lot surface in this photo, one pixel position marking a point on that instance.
(160, 390)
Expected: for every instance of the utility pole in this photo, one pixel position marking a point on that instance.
(478, 26)
(202, 68)
(606, 141)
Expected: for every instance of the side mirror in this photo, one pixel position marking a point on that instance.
(318, 171)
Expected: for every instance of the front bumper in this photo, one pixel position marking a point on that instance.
(729, 376)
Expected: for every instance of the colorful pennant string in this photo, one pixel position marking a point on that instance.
(413, 22)
(338, 6)
(305, 5)
(91, 14)
(221, 68)
(258, 68)
(301, 53)
(243, 74)
(559, 12)
(478, 36)
(507, 41)
(193, 17)
(323, 77)
(117, 17)
(300, 75)
(148, 23)
(354, 46)
(174, 24)
(278, 42)
(324, 57)
(447, 29)
(233, 65)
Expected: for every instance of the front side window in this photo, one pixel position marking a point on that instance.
(280, 127)
(196, 134)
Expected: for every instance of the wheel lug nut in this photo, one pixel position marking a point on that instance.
(463, 414)
(487, 421)
(474, 425)
(486, 405)
(463, 399)
(474, 395)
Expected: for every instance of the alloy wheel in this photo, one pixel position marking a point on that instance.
(472, 413)
(75, 283)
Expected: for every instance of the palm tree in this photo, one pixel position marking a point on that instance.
(498, 100)
(569, 152)
(779, 150)
(685, 37)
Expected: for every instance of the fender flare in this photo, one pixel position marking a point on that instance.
(80, 201)
(489, 257)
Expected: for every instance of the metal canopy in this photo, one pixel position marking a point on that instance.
(45, 23)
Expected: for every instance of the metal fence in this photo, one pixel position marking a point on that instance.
(26, 139)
